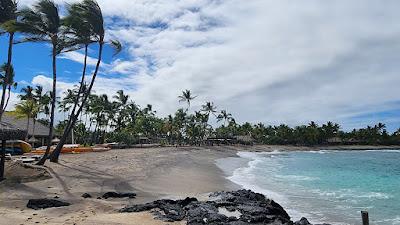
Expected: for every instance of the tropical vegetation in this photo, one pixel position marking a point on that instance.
(119, 119)
(81, 27)
(104, 118)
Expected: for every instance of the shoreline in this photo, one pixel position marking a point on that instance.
(151, 173)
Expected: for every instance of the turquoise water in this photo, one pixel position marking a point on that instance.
(325, 186)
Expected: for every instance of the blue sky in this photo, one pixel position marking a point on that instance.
(262, 60)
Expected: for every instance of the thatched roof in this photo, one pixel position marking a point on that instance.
(40, 129)
(10, 132)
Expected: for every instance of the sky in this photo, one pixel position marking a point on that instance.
(262, 60)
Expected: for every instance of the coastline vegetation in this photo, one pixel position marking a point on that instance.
(119, 119)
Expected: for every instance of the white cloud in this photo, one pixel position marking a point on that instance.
(79, 58)
(263, 60)
(47, 84)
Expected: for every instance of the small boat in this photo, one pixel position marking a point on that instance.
(68, 148)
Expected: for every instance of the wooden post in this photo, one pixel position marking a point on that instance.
(364, 216)
(3, 159)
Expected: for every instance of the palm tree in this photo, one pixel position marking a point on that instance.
(66, 102)
(27, 93)
(42, 23)
(8, 17)
(43, 99)
(224, 116)
(90, 14)
(121, 97)
(26, 109)
(209, 108)
(8, 81)
(78, 33)
(121, 105)
(186, 97)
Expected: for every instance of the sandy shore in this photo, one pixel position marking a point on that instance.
(152, 173)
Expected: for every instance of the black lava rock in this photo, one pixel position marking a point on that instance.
(302, 221)
(112, 194)
(86, 195)
(44, 203)
(246, 207)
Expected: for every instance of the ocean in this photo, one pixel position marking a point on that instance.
(324, 186)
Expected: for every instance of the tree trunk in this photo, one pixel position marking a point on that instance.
(27, 130)
(56, 153)
(53, 104)
(8, 71)
(81, 85)
(3, 159)
(33, 132)
(8, 97)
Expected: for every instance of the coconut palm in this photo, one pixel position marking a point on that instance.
(209, 108)
(42, 23)
(121, 105)
(225, 116)
(26, 109)
(121, 98)
(7, 81)
(186, 97)
(8, 16)
(42, 98)
(27, 93)
(78, 34)
(67, 102)
(43, 101)
(91, 15)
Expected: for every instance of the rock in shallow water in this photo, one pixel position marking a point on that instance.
(302, 221)
(44, 203)
(251, 208)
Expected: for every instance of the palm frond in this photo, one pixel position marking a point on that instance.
(117, 46)
(32, 39)
(8, 10)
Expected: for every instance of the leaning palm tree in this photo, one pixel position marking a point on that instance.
(90, 15)
(186, 97)
(78, 35)
(8, 17)
(41, 23)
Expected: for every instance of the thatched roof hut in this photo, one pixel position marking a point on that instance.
(41, 130)
(10, 132)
